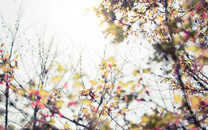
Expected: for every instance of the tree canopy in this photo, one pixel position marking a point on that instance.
(177, 31)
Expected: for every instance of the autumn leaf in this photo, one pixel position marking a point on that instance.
(146, 70)
(106, 74)
(2, 44)
(16, 57)
(77, 76)
(160, 18)
(60, 68)
(177, 99)
(21, 92)
(93, 82)
(105, 127)
(111, 59)
(85, 111)
(66, 126)
(145, 119)
(44, 93)
(195, 101)
(56, 79)
(40, 86)
(104, 63)
(136, 72)
(51, 122)
(86, 102)
(7, 55)
(130, 83)
(192, 48)
(78, 84)
(59, 103)
(44, 100)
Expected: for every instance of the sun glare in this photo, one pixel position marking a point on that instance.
(70, 19)
(75, 24)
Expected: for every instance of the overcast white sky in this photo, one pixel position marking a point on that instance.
(74, 29)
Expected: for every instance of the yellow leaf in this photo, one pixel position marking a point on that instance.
(86, 102)
(192, 48)
(4, 68)
(146, 70)
(105, 127)
(78, 84)
(105, 114)
(101, 81)
(66, 126)
(77, 76)
(130, 83)
(160, 18)
(106, 74)
(176, 40)
(99, 88)
(116, 98)
(56, 79)
(40, 86)
(115, 103)
(11, 127)
(195, 101)
(16, 57)
(51, 122)
(124, 85)
(111, 59)
(155, 10)
(177, 99)
(21, 92)
(93, 82)
(85, 111)
(191, 126)
(44, 100)
(145, 119)
(44, 93)
(133, 87)
(150, 14)
(60, 68)
(136, 72)
(133, 129)
(59, 103)
(56, 92)
(162, 110)
(140, 91)
(7, 55)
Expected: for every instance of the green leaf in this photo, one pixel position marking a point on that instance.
(119, 37)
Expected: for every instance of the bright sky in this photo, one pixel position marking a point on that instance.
(74, 29)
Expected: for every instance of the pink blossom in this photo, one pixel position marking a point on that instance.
(119, 87)
(73, 103)
(60, 115)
